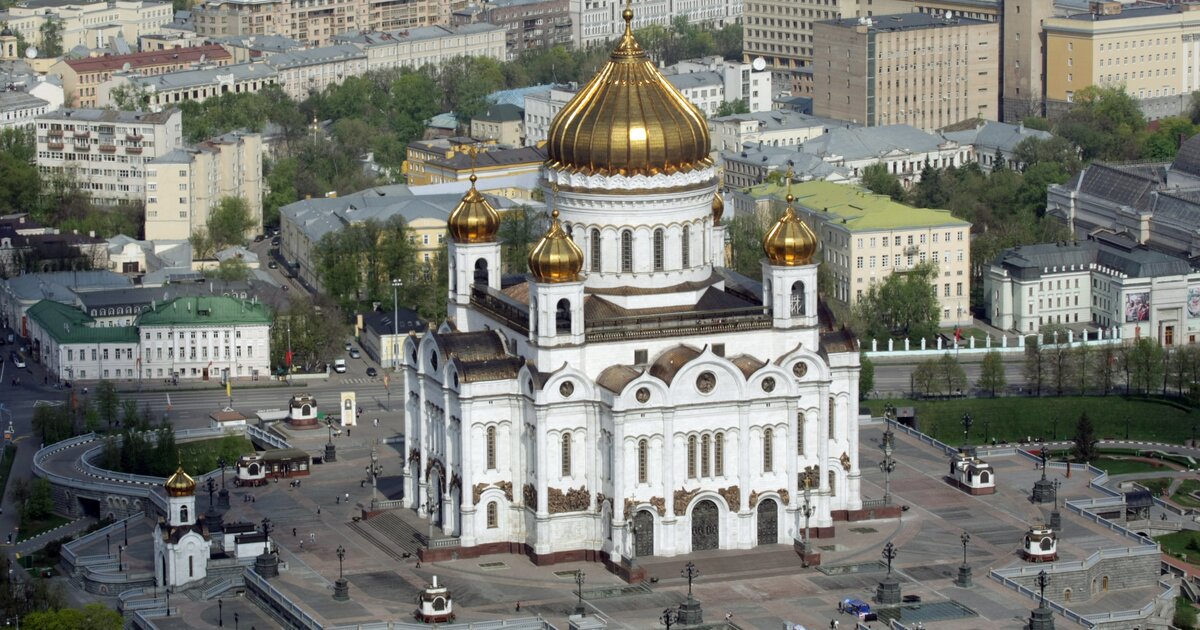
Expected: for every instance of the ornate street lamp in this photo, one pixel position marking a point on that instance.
(579, 610)
(966, 424)
(669, 617)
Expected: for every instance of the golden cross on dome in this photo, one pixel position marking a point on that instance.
(473, 151)
(790, 175)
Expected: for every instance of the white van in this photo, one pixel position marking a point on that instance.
(339, 365)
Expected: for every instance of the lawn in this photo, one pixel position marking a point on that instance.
(1183, 495)
(201, 456)
(29, 529)
(1116, 466)
(1158, 485)
(1176, 544)
(1020, 418)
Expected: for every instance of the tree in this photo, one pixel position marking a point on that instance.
(281, 181)
(1059, 358)
(51, 37)
(41, 500)
(951, 374)
(1085, 440)
(203, 247)
(745, 232)
(520, 228)
(232, 269)
(904, 304)
(314, 330)
(91, 617)
(1082, 365)
(53, 423)
(1106, 123)
(925, 376)
(878, 180)
(1105, 364)
(20, 182)
(229, 222)
(991, 373)
(736, 106)
(1163, 143)
(1144, 362)
(107, 402)
(866, 376)
(129, 97)
(1035, 365)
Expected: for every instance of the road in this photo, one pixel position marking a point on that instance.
(893, 378)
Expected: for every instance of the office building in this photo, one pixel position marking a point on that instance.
(598, 21)
(317, 24)
(431, 45)
(528, 24)
(303, 73)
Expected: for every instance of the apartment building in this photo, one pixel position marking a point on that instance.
(196, 85)
(738, 81)
(540, 109)
(302, 73)
(19, 110)
(1107, 281)
(185, 185)
(598, 21)
(781, 32)
(316, 22)
(779, 128)
(1023, 69)
(1149, 49)
(433, 45)
(528, 24)
(82, 77)
(918, 69)
(106, 150)
(500, 124)
(88, 24)
(440, 161)
(867, 237)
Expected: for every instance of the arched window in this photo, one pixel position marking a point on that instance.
(832, 416)
(481, 271)
(658, 249)
(691, 457)
(798, 307)
(719, 454)
(183, 514)
(832, 483)
(686, 244)
(768, 450)
(626, 251)
(594, 250)
(566, 455)
(799, 432)
(643, 461)
(491, 448)
(704, 448)
(493, 518)
(192, 567)
(562, 317)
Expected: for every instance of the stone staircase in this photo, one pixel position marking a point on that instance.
(389, 532)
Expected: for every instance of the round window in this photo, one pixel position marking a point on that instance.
(642, 394)
(800, 369)
(566, 389)
(768, 384)
(706, 382)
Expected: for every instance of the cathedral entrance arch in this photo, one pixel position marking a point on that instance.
(768, 522)
(706, 526)
(643, 531)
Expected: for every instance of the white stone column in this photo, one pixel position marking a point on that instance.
(792, 468)
(541, 542)
(410, 411)
(670, 523)
(747, 468)
(822, 516)
(467, 495)
(620, 536)
(853, 499)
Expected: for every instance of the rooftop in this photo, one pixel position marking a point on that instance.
(502, 112)
(315, 56)
(388, 322)
(781, 120)
(206, 311)
(195, 78)
(1134, 11)
(413, 34)
(10, 101)
(494, 159)
(856, 209)
(110, 116)
(859, 143)
(904, 22)
(196, 54)
(1107, 249)
(991, 135)
(67, 324)
(695, 79)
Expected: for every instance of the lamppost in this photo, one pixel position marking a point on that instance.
(669, 617)
(267, 564)
(965, 538)
(120, 558)
(107, 546)
(236, 620)
(579, 609)
(1042, 617)
(373, 470)
(987, 429)
(1042, 581)
(689, 612)
(223, 494)
(341, 588)
(1126, 427)
(330, 449)
(889, 554)
(220, 613)
(690, 572)
(1054, 424)
(396, 284)
(888, 591)
(887, 445)
(966, 423)
(964, 571)
(126, 526)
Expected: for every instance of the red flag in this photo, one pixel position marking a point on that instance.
(957, 334)
(287, 358)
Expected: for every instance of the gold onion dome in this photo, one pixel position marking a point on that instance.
(790, 242)
(718, 208)
(628, 120)
(180, 484)
(556, 258)
(474, 220)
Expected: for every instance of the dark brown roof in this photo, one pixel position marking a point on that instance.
(617, 377)
(174, 534)
(747, 364)
(472, 346)
(669, 362)
(490, 369)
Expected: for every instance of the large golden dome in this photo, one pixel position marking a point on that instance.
(180, 484)
(790, 242)
(474, 220)
(628, 120)
(556, 258)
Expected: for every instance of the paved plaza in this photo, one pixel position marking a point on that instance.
(759, 588)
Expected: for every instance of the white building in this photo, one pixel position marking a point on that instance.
(780, 128)
(629, 380)
(19, 110)
(88, 24)
(1108, 281)
(181, 542)
(200, 84)
(106, 150)
(737, 81)
(599, 21)
(540, 109)
(427, 45)
(303, 73)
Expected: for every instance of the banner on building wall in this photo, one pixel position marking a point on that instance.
(1137, 307)
(1193, 302)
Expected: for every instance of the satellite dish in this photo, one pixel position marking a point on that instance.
(30, 52)
(949, 15)
(126, 67)
(759, 64)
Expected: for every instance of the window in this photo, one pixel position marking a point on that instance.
(691, 458)
(704, 452)
(719, 454)
(686, 245)
(768, 456)
(832, 483)
(493, 519)
(658, 249)
(183, 514)
(626, 251)
(643, 456)
(192, 568)
(832, 417)
(595, 250)
(566, 455)
(800, 432)
(491, 448)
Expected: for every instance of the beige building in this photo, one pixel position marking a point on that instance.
(1151, 50)
(88, 24)
(303, 73)
(912, 68)
(867, 237)
(180, 86)
(82, 78)
(106, 150)
(1024, 69)
(781, 32)
(316, 22)
(185, 185)
(502, 123)
(430, 45)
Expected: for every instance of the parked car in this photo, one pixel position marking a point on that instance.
(371, 372)
(355, 354)
(349, 346)
(273, 265)
(259, 238)
(18, 360)
(339, 366)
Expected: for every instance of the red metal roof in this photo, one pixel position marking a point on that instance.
(212, 52)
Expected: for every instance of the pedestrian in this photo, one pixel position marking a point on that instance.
(347, 496)
(376, 421)
(362, 483)
(318, 510)
(347, 431)
(728, 615)
(293, 532)
(253, 499)
(339, 500)
(301, 544)
(518, 606)
(418, 564)
(312, 537)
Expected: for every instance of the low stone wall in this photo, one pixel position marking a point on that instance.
(1119, 572)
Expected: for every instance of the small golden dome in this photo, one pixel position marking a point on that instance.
(474, 220)
(628, 120)
(180, 484)
(556, 258)
(718, 208)
(790, 242)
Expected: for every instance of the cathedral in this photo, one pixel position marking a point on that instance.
(630, 396)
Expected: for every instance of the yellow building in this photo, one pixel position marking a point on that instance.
(185, 185)
(1150, 50)
(449, 160)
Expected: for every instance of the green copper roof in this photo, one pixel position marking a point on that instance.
(858, 209)
(67, 324)
(206, 311)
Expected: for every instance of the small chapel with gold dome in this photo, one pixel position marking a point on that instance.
(630, 396)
